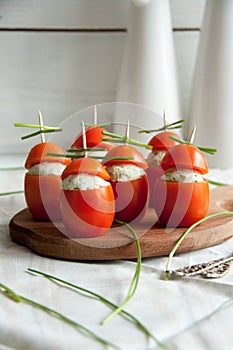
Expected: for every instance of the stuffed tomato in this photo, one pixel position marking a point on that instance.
(87, 199)
(129, 182)
(42, 182)
(181, 194)
(161, 143)
(93, 139)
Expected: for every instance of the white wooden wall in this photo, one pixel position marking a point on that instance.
(62, 56)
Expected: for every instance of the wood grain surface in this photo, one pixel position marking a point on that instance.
(47, 239)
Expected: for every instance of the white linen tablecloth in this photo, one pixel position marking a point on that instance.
(178, 312)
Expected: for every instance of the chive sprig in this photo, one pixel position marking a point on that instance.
(185, 234)
(203, 149)
(175, 125)
(116, 138)
(10, 293)
(43, 129)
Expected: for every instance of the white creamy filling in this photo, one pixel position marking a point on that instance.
(183, 175)
(124, 172)
(47, 168)
(154, 158)
(83, 182)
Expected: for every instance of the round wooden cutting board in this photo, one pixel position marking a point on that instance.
(47, 239)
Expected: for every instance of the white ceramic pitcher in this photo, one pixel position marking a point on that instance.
(148, 75)
(211, 107)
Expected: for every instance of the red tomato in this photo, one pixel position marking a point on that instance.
(38, 154)
(153, 173)
(42, 192)
(86, 166)
(185, 157)
(42, 195)
(182, 204)
(131, 197)
(162, 141)
(125, 151)
(87, 213)
(93, 138)
(159, 142)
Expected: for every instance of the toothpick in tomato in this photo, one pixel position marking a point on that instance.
(93, 136)
(161, 143)
(87, 199)
(129, 182)
(42, 182)
(181, 194)
(94, 139)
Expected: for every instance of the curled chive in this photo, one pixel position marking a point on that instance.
(84, 330)
(135, 280)
(104, 300)
(185, 234)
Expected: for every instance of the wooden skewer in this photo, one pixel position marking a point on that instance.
(84, 139)
(191, 139)
(127, 132)
(95, 115)
(42, 136)
(164, 120)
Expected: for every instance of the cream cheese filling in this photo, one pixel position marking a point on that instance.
(83, 182)
(182, 175)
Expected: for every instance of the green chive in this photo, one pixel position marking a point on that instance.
(39, 132)
(75, 156)
(103, 125)
(115, 136)
(216, 183)
(79, 150)
(59, 155)
(105, 301)
(185, 234)
(9, 193)
(135, 280)
(12, 168)
(42, 129)
(123, 139)
(165, 127)
(203, 149)
(84, 330)
(37, 126)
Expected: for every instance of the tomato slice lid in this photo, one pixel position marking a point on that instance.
(93, 137)
(38, 154)
(162, 141)
(125, 151)
(185, 156)
(88, 166)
